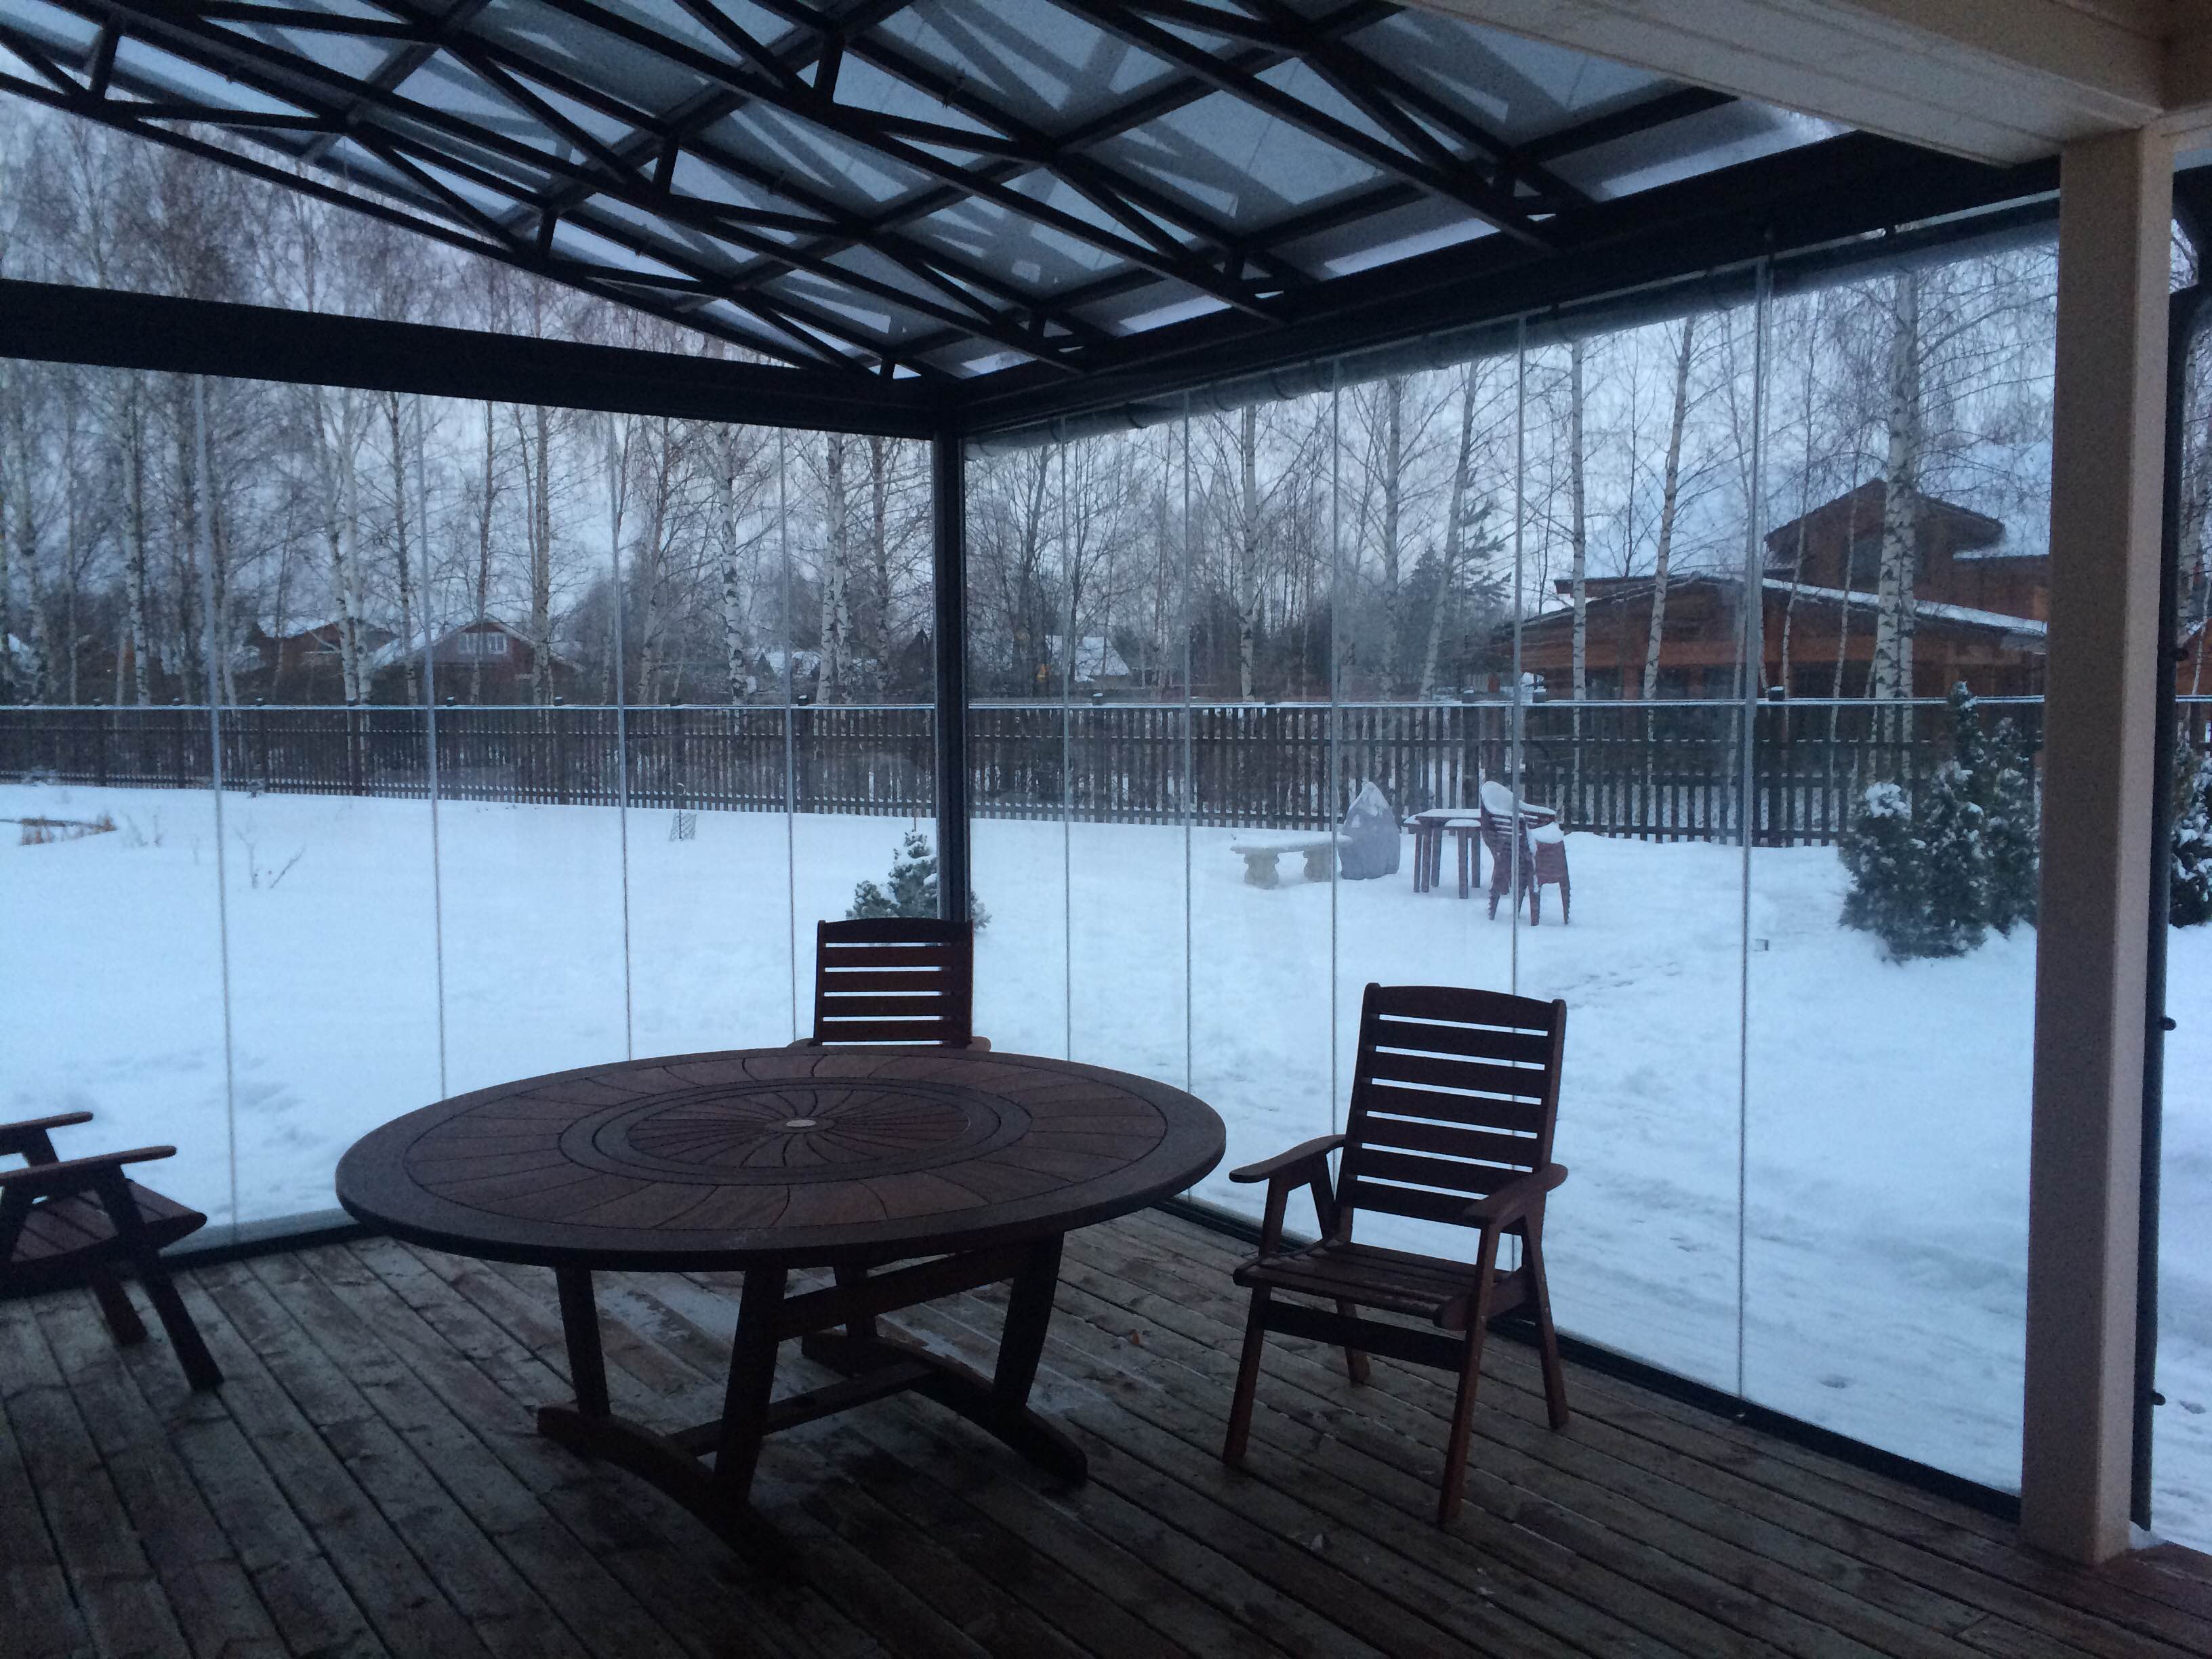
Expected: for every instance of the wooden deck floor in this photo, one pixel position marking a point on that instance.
(368, 1481)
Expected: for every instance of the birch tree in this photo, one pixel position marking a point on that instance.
(1900, 567)
(1670, 494)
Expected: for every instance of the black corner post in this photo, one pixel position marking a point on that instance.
(2184, 311)
(948, 476)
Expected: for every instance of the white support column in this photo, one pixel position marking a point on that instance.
(2116, 201)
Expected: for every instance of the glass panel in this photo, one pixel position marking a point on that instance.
(109, 868)
(2181, 1462)
(865, 791)
(696, 511)
(327, 846)
(1892, 960)
(530, 849)
(1019, 847)
(1129, 837)
(1627, 765)
(1262, 933)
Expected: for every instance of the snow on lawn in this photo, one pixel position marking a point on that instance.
(1885, 1109)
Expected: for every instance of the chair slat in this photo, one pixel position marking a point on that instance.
(834, 957)
(1474, 1042)
(1521, 1082)
(843, 980)
(1373, 1163)
(1452, 1141)
(1475, 1111)
(887, 1031)
(834, 1006)
(1415, 1203)
(1463, 1006)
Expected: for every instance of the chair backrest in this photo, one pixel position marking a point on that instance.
(1497, 799)
(1454, 1093)
(902, 980)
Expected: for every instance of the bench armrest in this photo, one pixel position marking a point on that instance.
(1517, 1199)
(1288, 1167)
(72, 1173)
(30, 1135)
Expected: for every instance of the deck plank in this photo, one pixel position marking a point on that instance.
(369, 1480)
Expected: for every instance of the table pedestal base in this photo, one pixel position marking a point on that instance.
(875, 1367)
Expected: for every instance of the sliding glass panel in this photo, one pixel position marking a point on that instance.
(109, 838)
(320, 508)
(530, 773)
(863, 686)
(1891, 962)
(1423, 625)
(1262, 931)
(1017, 718)
(695, 510)
(1128, 841)
(2181, 1460)
(1628, 866)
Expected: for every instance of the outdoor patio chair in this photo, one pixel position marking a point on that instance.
(76, 1220)
(1455, 1094)
(1539, 860)
(902, 980)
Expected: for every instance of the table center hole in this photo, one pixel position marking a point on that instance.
(801, 1123)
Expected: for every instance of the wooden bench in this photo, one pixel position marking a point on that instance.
(1259, 856)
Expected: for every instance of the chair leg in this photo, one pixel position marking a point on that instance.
(1470, 1374)
(1248, 1380)
(1355, 1361)
(1548, 1338)
(1535, 903)
(177, 1320)
(123, 1322)
(1567, 900)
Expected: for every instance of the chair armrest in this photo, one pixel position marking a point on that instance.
(31, 1132)
(71, 1173)
(1288, 1167)
(1516, 1199)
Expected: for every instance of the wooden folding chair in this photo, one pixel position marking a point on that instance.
(65, 1220)
(898, 980)
(1455, 1094)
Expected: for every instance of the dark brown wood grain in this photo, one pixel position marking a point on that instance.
(1454, 1098)
(791, 1156)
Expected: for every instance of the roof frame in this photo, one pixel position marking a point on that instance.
(852, 295)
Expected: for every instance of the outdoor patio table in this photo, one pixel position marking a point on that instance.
(1430, 827)
(771, 1160)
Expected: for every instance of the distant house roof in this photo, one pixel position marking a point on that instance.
(1095, 658)
(397, 650)
(1863, 505)
(1621, 589)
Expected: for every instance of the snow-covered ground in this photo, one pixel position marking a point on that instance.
(1884, 1110)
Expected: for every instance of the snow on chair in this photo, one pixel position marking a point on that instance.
(1528, 851)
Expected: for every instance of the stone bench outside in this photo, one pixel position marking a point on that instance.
(1259, 856)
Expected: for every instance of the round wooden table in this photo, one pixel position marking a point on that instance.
(769, 1160)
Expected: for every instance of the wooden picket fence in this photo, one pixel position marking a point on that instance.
(1662, 770)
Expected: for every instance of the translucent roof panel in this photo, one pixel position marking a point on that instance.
(962, 188)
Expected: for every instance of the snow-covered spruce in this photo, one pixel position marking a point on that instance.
(2188, 895)
(913, 887)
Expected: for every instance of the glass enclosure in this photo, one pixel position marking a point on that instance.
(1653, 585)
(379, 748)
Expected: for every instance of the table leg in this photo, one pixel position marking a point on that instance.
(860, 1326)
(1029, 1315)
(752, 1378)
(1001, 1406)
(580, 1325)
